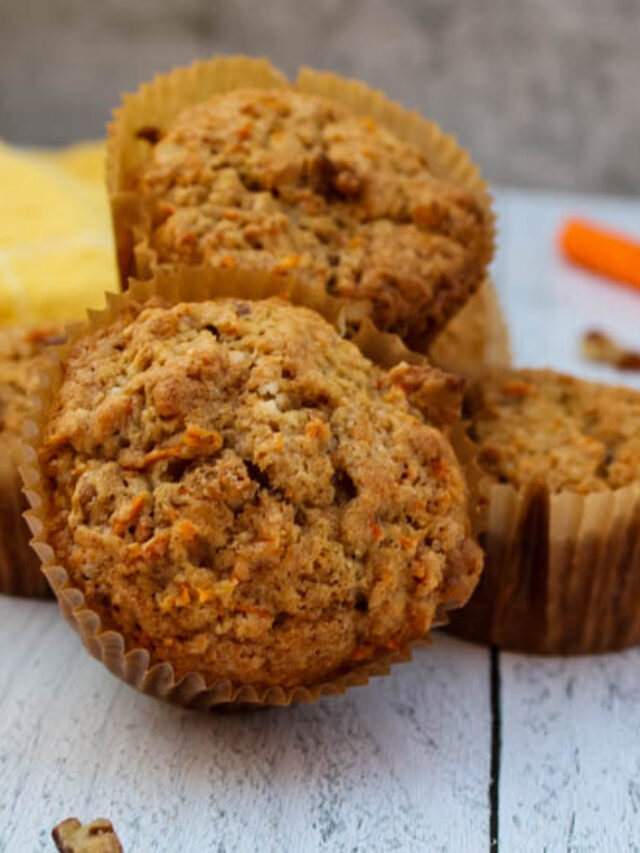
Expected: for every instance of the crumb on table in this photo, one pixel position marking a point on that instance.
(597, 346)
(71, 836)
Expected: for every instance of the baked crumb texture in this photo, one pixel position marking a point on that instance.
(537, 426)
(21, 354)
(71, 836)
(282, 181)
(597, 346)
(561, 459)
(238, 490)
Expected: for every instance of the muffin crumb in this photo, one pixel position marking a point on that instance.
(71, 836)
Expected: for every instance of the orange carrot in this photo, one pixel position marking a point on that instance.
(516, 389)
(119, 525)
(186, 531)
(287, 263)
(377, 531)
(244, 132)
(202, 440)
(602, 251)
(250, 609)
(157, 547)
(161, 453)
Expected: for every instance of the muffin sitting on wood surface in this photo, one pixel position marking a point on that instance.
(226, 164)
(240, 493)
(21, 359)
(561, 462)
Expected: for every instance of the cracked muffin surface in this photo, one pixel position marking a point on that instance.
(284, 181)
(538, 426)
(237, 489)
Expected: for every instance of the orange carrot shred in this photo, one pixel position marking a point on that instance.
(120, 524)
(202, 440)
(163, 453)
(244, 132)
(250, 609)
(516, 389)
(156, 547)
(602, 251)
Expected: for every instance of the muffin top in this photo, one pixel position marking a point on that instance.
(537, 426)
(285, 181)
(239, 490)
(21, 353)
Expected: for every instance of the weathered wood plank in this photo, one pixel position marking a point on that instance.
(402, 764)
(570, 769)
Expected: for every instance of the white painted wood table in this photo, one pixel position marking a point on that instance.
(460, 750)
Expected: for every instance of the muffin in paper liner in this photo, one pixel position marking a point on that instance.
(21, 355)
(158, 103)
(134, 665)
(152, 106)
(562, 569)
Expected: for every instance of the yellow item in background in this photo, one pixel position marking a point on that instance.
(84, 161)
(56, 250)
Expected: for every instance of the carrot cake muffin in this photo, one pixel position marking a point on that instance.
(537, 426)
(21, 353)
(238, 490)
(286, 181)
(71, 836)
(561, 482)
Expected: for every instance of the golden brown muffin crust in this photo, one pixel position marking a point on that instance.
(546, 427)
(238, 489)
(284, 181)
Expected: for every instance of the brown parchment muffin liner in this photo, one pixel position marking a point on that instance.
(19, 567)
(562, 572)
(134, 665)
(476, 338)
(20, 349)
(157, 103)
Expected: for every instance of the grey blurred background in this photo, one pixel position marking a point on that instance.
(544, 92)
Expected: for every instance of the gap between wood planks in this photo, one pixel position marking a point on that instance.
(496, 746)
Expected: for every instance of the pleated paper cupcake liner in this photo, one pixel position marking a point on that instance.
(562, 572)
(475, 339)
(157, 103)
(135, 665)
(19, 567)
